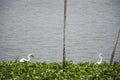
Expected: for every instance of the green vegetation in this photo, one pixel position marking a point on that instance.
(53, 71)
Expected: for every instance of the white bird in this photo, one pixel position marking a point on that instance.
(23, 59)
(100, 57)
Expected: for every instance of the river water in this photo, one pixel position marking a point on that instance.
(36, 27)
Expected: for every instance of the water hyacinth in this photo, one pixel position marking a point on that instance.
(53, 71)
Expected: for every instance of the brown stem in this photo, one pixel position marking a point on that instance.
(64, 36)
(114, 48)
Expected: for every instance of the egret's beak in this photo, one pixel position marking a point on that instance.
(32, 56)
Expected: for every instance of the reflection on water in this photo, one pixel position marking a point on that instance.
(28, 26)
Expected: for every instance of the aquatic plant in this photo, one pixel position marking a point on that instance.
(53, 71)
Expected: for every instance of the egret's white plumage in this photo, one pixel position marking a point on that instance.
(23, 59)
(100, 57)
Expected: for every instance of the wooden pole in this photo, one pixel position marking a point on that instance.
(64, 36)
(115, 44)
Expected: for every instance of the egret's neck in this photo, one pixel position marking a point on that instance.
(100, 58)
(28, 58)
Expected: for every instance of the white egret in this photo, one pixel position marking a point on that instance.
(23, 59)
(100, 57)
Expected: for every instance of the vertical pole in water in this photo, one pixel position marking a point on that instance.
(115, 44)
(64, 36)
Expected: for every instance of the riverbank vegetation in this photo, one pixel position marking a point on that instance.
(53, 71)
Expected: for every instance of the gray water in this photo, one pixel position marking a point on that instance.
(36, 26)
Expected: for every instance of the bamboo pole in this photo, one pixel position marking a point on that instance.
(64, 36)
(115, 44)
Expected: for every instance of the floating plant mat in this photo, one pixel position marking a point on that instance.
(53, 71)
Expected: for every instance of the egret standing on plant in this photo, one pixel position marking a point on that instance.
(100, 57)
(23, 59)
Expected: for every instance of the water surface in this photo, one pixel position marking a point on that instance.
(36, 26)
